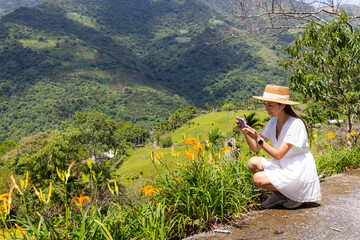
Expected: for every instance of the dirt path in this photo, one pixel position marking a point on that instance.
(336, 216)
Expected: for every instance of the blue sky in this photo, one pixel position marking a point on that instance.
(355, 2)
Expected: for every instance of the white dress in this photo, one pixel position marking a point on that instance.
(295, 175)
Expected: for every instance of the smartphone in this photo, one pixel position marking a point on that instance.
(241, 122)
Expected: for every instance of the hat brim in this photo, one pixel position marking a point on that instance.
(287, 102)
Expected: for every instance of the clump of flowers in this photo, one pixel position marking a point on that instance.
(196, 145)
(149, 190)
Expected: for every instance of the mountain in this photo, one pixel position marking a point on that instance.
(9, 6)
(135, 60)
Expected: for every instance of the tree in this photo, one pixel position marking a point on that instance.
(325, 65)
(252, 121)
(7, 146)
(216, 140)
(277, 17)
(96, 132)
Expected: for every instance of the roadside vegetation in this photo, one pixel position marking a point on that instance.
(195, 185)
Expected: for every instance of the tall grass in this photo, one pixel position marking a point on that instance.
(336, 161)
(205, 189)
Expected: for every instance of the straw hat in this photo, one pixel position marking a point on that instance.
(277, 94)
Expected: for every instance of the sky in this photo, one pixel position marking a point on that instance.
(355, 2)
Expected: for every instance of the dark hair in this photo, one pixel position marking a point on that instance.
(288, 110)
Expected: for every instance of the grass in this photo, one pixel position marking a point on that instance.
(205, 189)
(191, 193)
(139, 161)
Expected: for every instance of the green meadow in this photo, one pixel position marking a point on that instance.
(139, 167)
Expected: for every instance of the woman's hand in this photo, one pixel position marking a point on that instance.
(251, 133)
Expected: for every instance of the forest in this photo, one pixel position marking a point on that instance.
(136, 61)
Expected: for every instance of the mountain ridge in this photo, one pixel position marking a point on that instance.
(138, 61)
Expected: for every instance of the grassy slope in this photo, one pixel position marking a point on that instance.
(139, 161)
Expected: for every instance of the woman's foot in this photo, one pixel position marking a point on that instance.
(291, 204)
(276, 199)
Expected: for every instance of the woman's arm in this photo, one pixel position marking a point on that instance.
(253, 136)
(251, 142)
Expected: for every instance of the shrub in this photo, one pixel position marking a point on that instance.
(165, 141)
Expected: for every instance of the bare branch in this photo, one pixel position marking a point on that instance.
(265, 15)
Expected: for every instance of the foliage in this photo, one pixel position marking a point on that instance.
(204, 188)
(176, 120)
(253, 121)
(203, 191)
(165, 141)
(216, 140)
(9, 6)
(337, 161)
(325, 66)
(90, 136)
(136, 61)
(6, 146)
(138, 160)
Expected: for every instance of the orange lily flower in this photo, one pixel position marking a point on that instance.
(4, 206)
(80, 200)
(225, 149)
(149, 190)
(198, 147)
(330, 135)
(189, 154)
(190, 140)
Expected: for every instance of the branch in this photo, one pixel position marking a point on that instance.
(276, 13)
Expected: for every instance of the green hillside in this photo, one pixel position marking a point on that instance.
(7, 6)
(139, 166)
(137, 60)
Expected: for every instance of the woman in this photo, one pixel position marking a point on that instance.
(292, 175)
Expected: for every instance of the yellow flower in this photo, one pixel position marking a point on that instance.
(25, 183)
(330, 135)
(116, 188)
(329, 146)
(64, 176)
(149, 190)
(353, 134)
(189, 154)
(5, 207)
(190, 140)
(80, 200)
(3, 198)
(225, 149)
(198, 147)
(158, 156)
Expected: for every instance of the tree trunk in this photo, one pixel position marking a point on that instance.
(349, 121)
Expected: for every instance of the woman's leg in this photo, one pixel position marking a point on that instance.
(262, 181)
(255, 164)
(260, 178)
